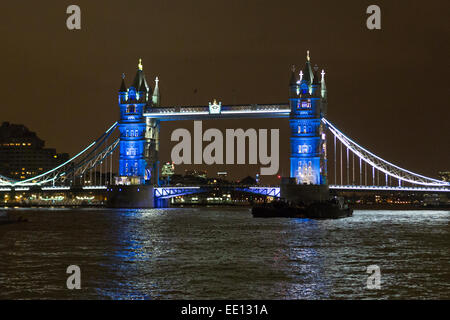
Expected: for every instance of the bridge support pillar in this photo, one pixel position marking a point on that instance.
(306, 193)
(161, 203)
(131, 196)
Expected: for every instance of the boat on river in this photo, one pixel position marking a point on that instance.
(332, 209)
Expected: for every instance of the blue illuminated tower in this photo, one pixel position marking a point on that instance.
(308, 102)
(132, 127)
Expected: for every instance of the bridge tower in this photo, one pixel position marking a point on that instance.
(307, 98)
(308, 159)
(132, 127)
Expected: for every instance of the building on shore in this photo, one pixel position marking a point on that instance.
(444, 175)
(22, 153)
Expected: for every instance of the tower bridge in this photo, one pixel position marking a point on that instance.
(316, 146)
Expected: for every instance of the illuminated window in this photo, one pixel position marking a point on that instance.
(131, 151)
(306, 104)
(304, 129)
(299, 129)
(131, 109)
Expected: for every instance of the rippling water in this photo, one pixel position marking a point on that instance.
(217, 253)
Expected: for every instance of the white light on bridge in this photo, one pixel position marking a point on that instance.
(55, 188)
(94, 187)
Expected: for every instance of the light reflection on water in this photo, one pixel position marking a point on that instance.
(206, 253)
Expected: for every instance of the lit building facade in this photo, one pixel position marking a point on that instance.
(308, 103)
(444, 176)
(168, 169)
(22, 153)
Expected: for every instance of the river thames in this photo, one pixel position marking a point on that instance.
(223, 253)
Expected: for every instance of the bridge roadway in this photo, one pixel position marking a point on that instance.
(274, 191)
(174, 191)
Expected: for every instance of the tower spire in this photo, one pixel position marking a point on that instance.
(293, 79)
(307, 70)
(323, 85)
(316, 75)
(140, 82)
(156, 96)
(123, 87)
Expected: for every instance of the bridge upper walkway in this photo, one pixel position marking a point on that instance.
(222, 112)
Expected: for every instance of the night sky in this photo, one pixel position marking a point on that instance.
(387, 89)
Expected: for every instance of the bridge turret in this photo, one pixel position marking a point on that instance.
(156, 96)
(152, 137)
(293, 84)
(323, 87)
(143, 92)
(315, 86)
(123, 91)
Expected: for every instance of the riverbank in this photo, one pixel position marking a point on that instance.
(238, 205)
